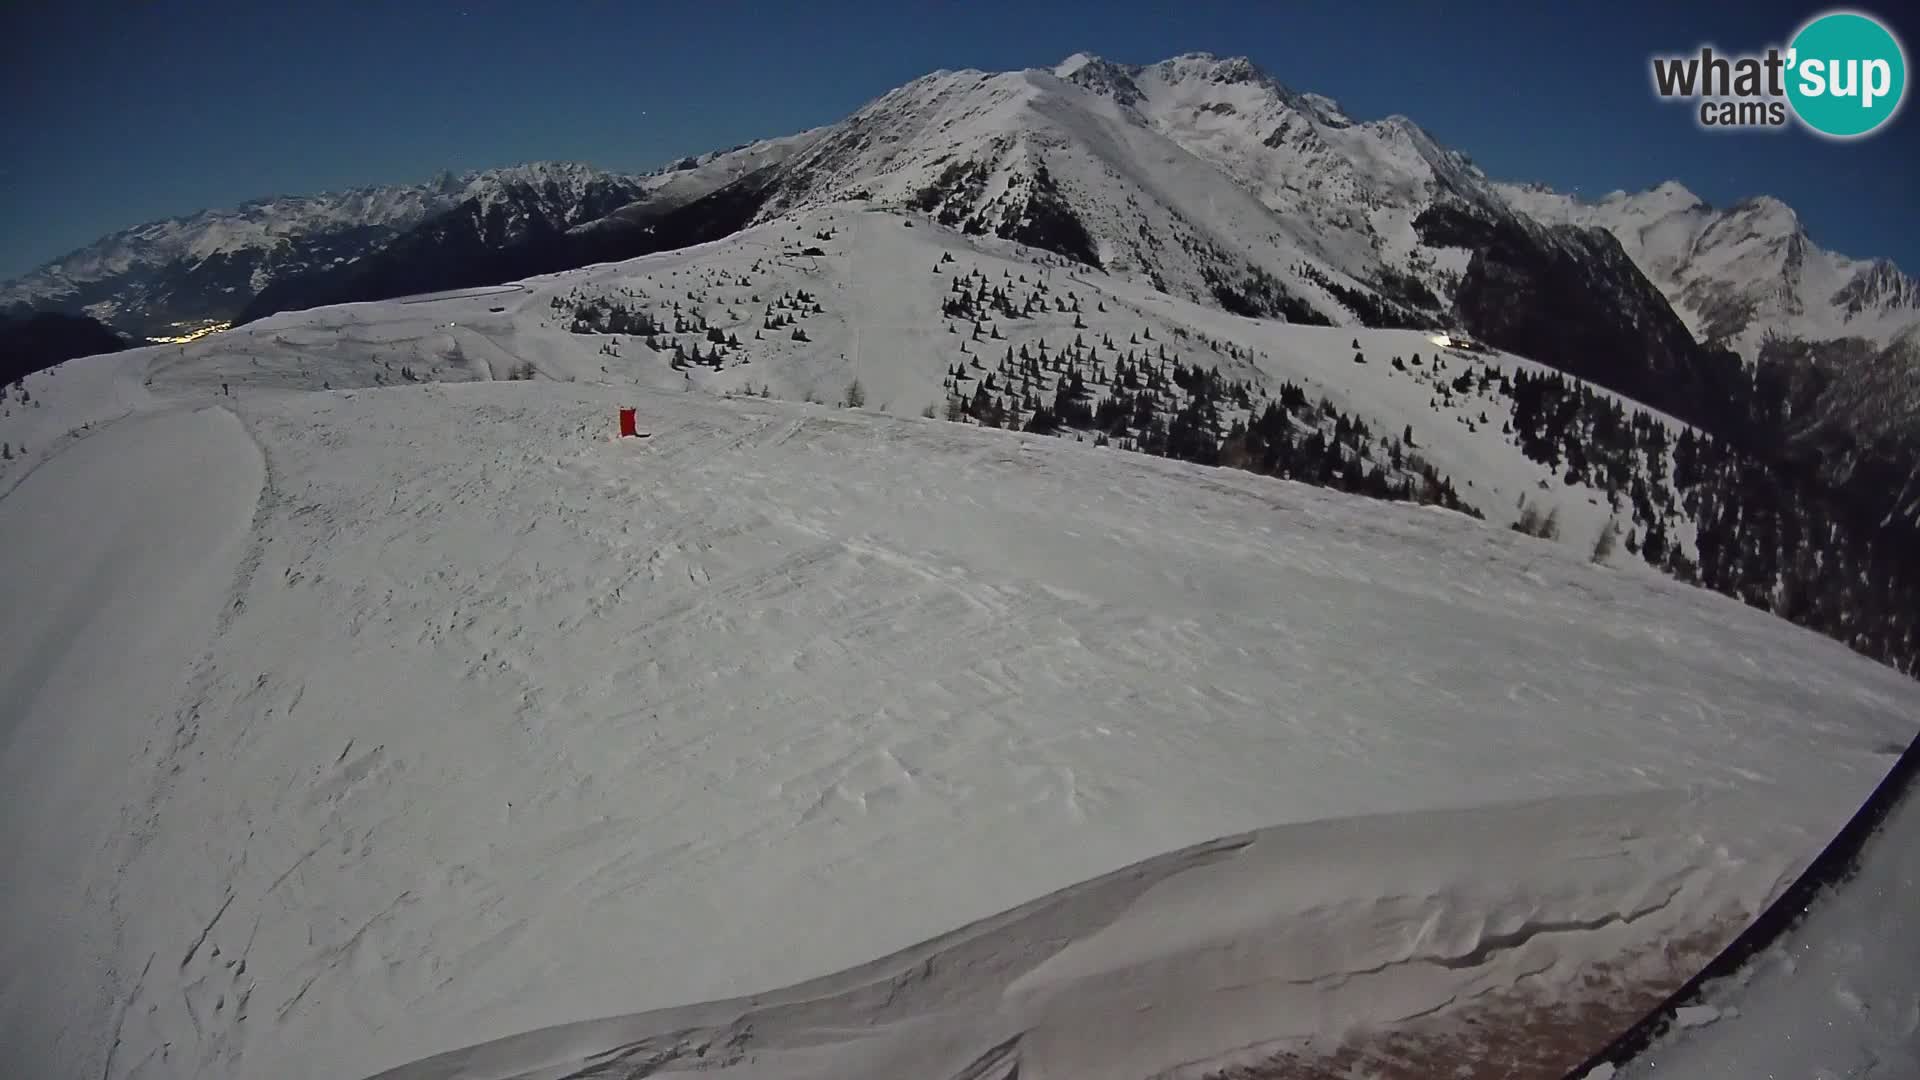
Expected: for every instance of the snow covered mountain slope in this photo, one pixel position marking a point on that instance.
(494, 723)
(1266, 945)
(485, 243)
(1209, 181)
(1741, 273)
(1203, 176)
(883, 285)
(453, 718)
(1350, 190)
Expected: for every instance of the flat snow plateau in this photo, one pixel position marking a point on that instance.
(460, 720)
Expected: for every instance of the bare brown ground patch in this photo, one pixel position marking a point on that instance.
(1510, 1034)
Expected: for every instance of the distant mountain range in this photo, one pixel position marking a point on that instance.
(523, 228)
(1741, 274)
(158, 279)
(1202, 174)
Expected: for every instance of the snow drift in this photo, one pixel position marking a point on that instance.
(1431, 938)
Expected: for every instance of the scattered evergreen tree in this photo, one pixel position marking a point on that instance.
(1603, 545)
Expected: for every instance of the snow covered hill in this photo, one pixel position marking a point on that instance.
(435, 715)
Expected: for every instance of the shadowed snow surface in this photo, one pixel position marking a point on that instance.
(120, 555)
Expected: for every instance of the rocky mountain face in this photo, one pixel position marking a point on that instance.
(1742, 274)
(1834, 341)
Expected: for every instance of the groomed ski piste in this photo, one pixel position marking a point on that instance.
(356, 725)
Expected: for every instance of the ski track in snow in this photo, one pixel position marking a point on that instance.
(490, 723)
(115, 572)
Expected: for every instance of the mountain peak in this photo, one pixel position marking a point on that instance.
(1766, 216)
(1663, 198)
(1330, 110)
(1766, 206)
(538, 172)
(1666, 197)
(1101, 76)
(1066, 69)
(1878, 285)
(1206, 65)
(1673, 191)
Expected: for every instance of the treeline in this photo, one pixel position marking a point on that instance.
(1148, 402)
(40, 340)
(1767, 533)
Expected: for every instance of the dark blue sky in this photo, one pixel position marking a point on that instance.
(125, 111)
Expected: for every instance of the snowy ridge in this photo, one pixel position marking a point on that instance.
(740, 159)
(690, 178)
(1258, 943)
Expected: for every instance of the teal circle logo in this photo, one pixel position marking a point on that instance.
(1846, 74)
